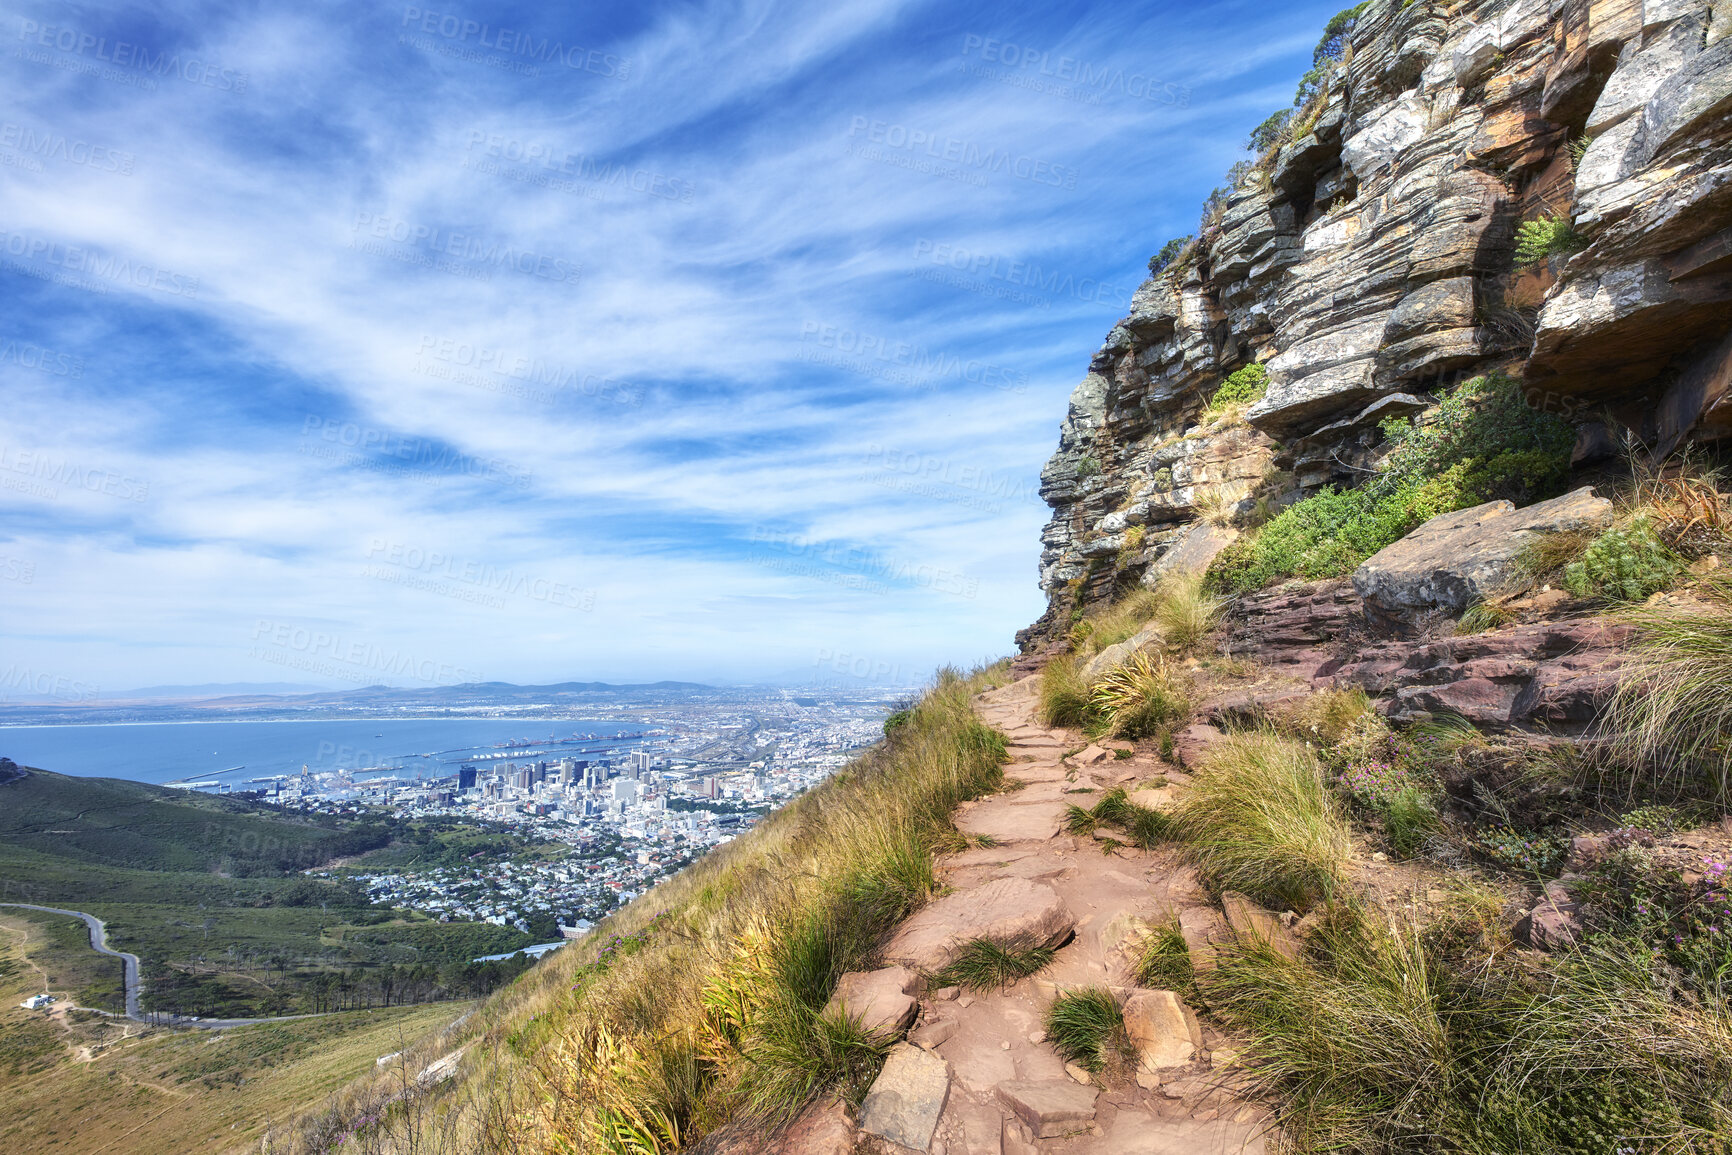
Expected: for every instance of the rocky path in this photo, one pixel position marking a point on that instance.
(976, 1075)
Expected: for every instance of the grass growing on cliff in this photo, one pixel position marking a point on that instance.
(1138, 699)
(1260, 819)
(1481, 442)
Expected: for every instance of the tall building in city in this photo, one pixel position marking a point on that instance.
(465, 777)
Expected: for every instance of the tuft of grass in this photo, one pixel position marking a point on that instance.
(1186, 612)
(1121, 621)
(983, 965)
(1483, 616)
(1145, 826)
(1259, 819)
(1164, 960)
(1139, 698)
(1672, 712)
(1078, 820)
(1327, 716)
(1382, 1039)
(1064, 695)
(1544, 558)
(1087, 1028)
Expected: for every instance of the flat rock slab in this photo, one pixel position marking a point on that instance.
(907, 1098)
(883, 1000)
(1003, 819)
(1157, 1024)
(1050, 1108)
(1008, 910)
(1456, 559)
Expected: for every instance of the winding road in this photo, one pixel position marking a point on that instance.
(99, 944)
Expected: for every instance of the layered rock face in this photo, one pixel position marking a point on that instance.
(1373, 265)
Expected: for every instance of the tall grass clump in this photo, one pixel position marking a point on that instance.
(1672, 713)
(1185, 612)
(1086, 1027)
(703, 1003)
(1064, 694)
(1386, 1038)
(1139, 698)
(1260, 819)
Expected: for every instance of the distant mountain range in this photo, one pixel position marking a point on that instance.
(243, 701)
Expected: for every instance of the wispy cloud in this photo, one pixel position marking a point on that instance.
(661, 306)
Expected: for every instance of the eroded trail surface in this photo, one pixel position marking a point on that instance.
(976, 1074)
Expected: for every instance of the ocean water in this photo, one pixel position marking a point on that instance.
(236, 752)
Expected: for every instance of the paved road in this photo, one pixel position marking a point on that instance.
(99, 944)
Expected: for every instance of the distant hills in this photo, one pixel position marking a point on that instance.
(243, 702)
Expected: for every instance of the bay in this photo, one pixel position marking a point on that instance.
(211, 751)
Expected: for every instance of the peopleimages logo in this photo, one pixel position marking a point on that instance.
(952, 150)
(70, 150)
(463, 32)
(133, 57)
(1090, 81)
(481, 255)
(1025, 274)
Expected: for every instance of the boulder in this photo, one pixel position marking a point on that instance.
(1006, 911)
(1554, 922)
(1157, 1024)
(1456, 559)
(883, 1000)
(1191, 743)
(1122, 652)
(1050, 1108)
(1249, 920)
(1549, 674)
(907, 1098)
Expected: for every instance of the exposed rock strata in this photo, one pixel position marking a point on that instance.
(1376, 267)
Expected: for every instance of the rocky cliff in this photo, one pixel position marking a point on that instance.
(1367, 261)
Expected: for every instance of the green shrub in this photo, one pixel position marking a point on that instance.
(1088, 467)
(1623, 565)
(1482, 441)
(1245, 386)
(1546, 237)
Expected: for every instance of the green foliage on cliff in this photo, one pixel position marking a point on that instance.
(1242, 387)
(1546, 237)
(1169, 251)
(1483, 441)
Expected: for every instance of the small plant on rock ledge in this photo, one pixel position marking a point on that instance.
(1546, 237)
(1088, 467)
(1623, 565)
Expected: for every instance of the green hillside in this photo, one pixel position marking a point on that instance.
(131, 824)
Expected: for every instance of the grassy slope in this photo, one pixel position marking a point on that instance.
(181, 1092)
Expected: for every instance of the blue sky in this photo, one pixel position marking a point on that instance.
(346, 344)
